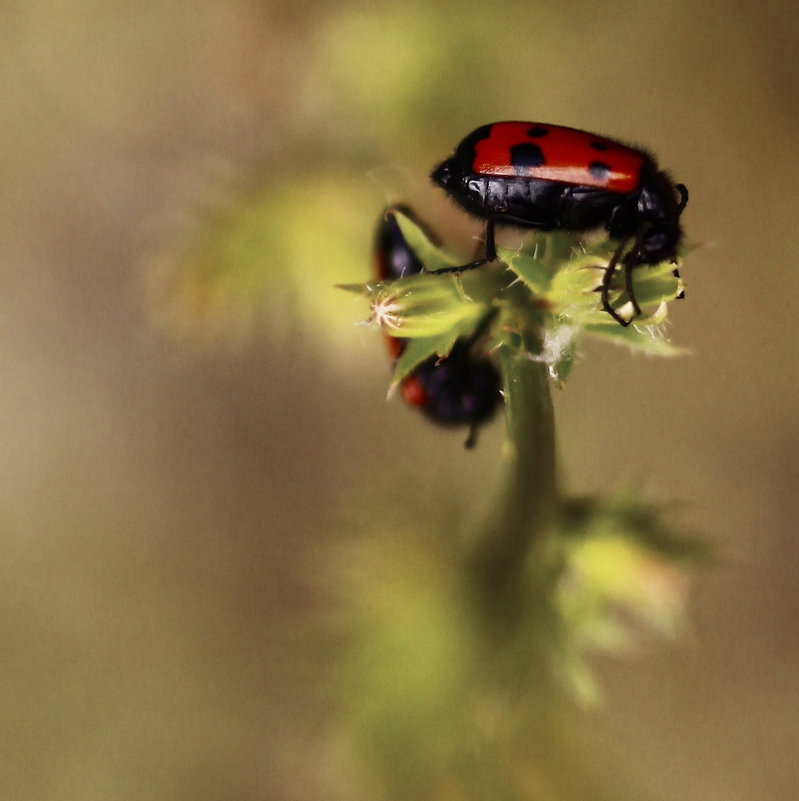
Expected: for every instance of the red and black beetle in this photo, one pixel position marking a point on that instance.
(462, 388)
(536, 175)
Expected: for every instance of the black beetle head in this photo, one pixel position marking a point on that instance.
(446, 174)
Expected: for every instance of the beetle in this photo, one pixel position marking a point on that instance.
(547, 177)
(462, 388)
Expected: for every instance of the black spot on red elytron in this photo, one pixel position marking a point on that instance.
(483, 132)
(598, 145)
(599, 170)
(466, 149)
(537, 131)
(526, 155)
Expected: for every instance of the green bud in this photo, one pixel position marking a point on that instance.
(423, 306)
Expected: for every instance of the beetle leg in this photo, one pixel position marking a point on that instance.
(676, 273)
(490, 254)
(630, 263)
(491, 247)
(471, 437)
(629, 266)
(606, 282)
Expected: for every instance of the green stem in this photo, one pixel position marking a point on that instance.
(528, 488)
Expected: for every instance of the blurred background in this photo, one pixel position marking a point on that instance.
(188, 410)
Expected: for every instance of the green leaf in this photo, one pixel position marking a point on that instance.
(644, 339)
(432, 256)
(420, 349)
(358, 289)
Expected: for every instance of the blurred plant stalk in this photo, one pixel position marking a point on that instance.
(456, 648)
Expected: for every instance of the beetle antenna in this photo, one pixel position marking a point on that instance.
(683, 190)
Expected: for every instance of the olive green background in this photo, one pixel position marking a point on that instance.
(176, 452)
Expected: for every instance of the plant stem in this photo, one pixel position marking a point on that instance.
(528, 488)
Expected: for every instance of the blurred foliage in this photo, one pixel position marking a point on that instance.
(266, 259)
(434, 700)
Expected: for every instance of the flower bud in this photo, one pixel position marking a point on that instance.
(424, 305)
